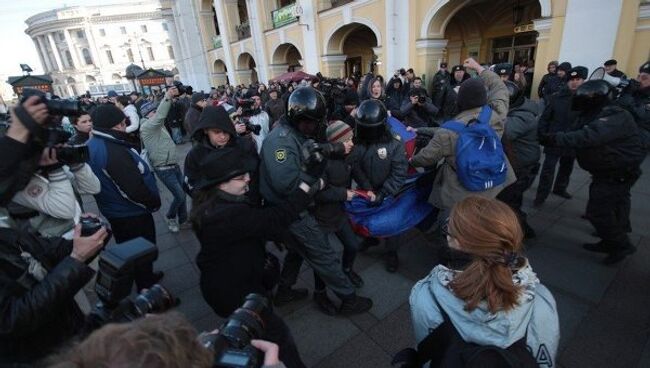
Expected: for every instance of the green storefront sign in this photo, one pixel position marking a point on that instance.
(283, 16)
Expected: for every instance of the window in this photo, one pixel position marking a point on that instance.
(61, 36)
(123, 30)
(150, 51)
(68, 57)
(143, 28)
(80, 34)
(129, 54)
(170, 51)
(87, 58)
(165, 27)
(102, 32)
(109, 56)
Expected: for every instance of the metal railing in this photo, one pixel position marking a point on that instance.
(283, 16)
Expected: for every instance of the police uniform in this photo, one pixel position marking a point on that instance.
(609, 147)
(637, 103)
(280, 175)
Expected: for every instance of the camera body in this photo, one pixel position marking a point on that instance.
(318, 152)
(422, 99)
(250, 127)
(232, 345)
(117, 265)
(91, 225)
(74, 154)
(54, 107)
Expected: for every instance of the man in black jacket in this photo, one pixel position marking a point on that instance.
(522, 148)
(608, 145)
(418, 111)
(38, 277)
(199, 102)
(558, 116)
(636, 100)
(550, 81)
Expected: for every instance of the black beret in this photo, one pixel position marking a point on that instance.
(503, 69)
(566, 66)
(443, 65)
(457, 68)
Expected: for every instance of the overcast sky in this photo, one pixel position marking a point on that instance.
(16, 47)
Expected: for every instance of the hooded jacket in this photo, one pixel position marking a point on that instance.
(520, 135)
(535, 316)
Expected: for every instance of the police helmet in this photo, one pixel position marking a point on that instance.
(516, 94)
(371, 120)
(592, 95)
(306, 103)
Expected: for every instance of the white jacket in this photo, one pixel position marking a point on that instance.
(132, 113)
(54, 197)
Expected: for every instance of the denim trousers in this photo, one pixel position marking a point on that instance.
(173, 179)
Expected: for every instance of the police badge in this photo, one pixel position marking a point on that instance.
(382, 153)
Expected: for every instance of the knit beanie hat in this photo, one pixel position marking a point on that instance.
(107, 116)
(471, 94)
(339, 131)
(565, 66)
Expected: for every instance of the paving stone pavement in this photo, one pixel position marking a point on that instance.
(604, 314)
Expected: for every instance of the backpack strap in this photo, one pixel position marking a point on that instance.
(485, 115)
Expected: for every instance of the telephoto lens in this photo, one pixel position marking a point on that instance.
(154, 300)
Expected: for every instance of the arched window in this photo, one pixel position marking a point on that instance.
(129, 54)
(87, 58)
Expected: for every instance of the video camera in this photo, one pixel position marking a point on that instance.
(117, 265)
(232, 345)
(247, 110)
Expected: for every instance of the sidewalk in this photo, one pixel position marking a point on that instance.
(604, 313)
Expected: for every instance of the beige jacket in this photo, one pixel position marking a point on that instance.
(447, 189)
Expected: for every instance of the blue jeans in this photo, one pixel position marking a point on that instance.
(173, 180)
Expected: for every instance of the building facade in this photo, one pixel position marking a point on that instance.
(89, 48)
(250, 40)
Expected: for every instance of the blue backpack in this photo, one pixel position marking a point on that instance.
(480, 160)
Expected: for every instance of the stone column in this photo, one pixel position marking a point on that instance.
(430, 53)
(42, 53)
(381, 68)
(55, 51)
(225, 39)
(258, 39)
(92, 46)
(310, 41)
(76, 64)
(334, 65)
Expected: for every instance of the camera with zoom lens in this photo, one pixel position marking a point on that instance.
(422, 99)
(232, 345)
(55, 107)
(66, 154)
(117, 265)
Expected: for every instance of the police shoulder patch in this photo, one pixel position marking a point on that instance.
(280, 155)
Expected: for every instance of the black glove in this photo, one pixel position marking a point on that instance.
(379, 199)
(547, 139)
(313, 161)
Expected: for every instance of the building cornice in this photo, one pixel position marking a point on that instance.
(58, 24)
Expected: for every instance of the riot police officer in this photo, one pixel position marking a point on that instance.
(607, 145)
(379, 162)
(280, 173)
(636, 100)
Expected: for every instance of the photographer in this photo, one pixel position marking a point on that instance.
(274, 107)
(165, 340)
(162, 155)
(233, 233)
(418, 111)
(255, 116)
(38, 277)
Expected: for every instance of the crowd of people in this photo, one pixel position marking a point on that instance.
(280, 165)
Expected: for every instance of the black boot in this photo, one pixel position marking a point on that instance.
(324, 303)
(355, 304)
(285, 295)
(619, 254)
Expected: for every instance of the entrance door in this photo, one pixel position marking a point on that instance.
(353, 66)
